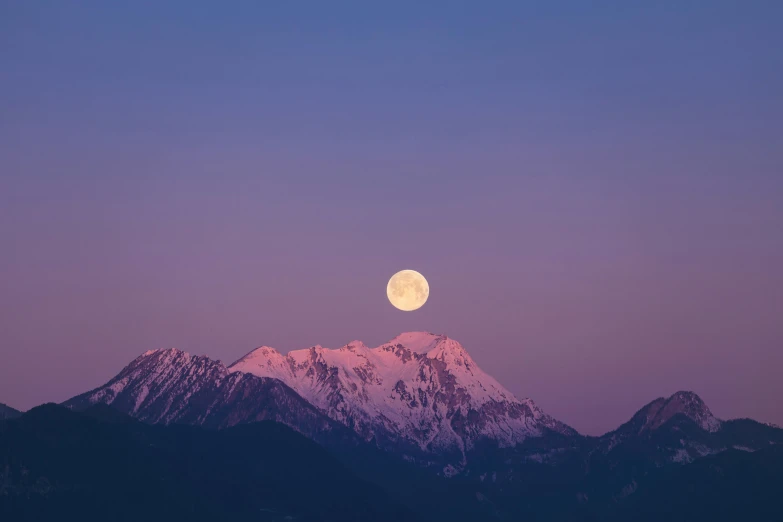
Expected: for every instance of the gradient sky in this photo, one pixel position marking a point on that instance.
(594, 190)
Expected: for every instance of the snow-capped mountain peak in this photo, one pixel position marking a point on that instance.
(354, 346)
(418, 342)
(419, 388)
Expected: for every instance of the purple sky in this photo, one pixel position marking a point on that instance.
(595, 195)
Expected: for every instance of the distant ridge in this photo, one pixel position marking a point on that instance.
(7, 412)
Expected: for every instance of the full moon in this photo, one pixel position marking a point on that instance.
(408, 290)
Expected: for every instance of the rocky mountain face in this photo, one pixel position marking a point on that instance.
(419, 390)
(7, 412)
(171, 386)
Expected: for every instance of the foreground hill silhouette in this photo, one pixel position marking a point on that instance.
(102, 465)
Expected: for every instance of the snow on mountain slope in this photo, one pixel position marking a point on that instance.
(419, 388)
(172, 386)
(419, 396)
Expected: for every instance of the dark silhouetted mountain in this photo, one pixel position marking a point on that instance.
(56, 464)
(573, 477)
(7, 412)
(726, 487)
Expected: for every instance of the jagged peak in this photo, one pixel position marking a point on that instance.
(421, 343)
(172, 351)
(262, 352)
(433, 345)
(661, 410)
(266, 350)
(170, 356)
(158, 356)
(688, 398)
(316, 348)
(418, 342)
(449, 350)
(354, 346)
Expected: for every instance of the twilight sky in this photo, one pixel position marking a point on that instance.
(594, 190)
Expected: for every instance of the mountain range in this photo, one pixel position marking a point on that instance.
(417, 414)
(419, 395)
